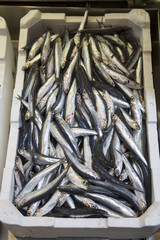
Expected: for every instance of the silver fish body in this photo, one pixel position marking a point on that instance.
(45, 134)
(83, 132)
(110, 106)
(78, 34)
(128, 138)
(88, 161)
(86, 57)
(93, 112)
(70, 104)
(58, 54)
(68, 132)
(94, 50)
(46, 48)
(101, 108)
(116, 146)
(30, 63)
(137, 183)
(65, 53)
(36, 46)
(45, 88)
(68, 74)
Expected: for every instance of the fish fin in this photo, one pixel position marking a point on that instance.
(19, 97)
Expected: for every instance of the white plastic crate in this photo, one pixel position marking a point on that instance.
(32, 26)
(7, 67)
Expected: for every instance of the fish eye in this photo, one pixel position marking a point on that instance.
(84, 182)
(138, 127)
(91, 205)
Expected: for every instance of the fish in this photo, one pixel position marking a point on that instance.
(77, 36)
(36, 46)
(46, 48)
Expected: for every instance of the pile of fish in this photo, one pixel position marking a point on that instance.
(82, 142)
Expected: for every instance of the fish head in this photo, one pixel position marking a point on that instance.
(21, 151)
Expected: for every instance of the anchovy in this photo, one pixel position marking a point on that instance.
(36, 46)
(55, 131)
(128, 138)
(110, 106)
(113, 204)
(121, 54)
(43, 102)
(136, 183)
(86, 57)
(45, 88)
(94, 50)
(70, 104)
(68, 74)
(91, 204)
(107, 138)
(58, 54)
(81, 27)
(131, 122)
(45, 160)
(50, 65)
(101, 107)
(51, 100)
(103, 72)
(139, 71)
(115, 39)
(68, 132)
(60, 100)
(133, 58)
(46, 48)
(32, 77)
(82, 111)
(116, 148)
(93, 112)
(65, 53)
(45, 134)
(30, 63)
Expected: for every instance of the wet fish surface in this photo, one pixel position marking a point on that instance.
(81, 140)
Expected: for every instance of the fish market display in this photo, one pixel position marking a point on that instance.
(82, 142)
